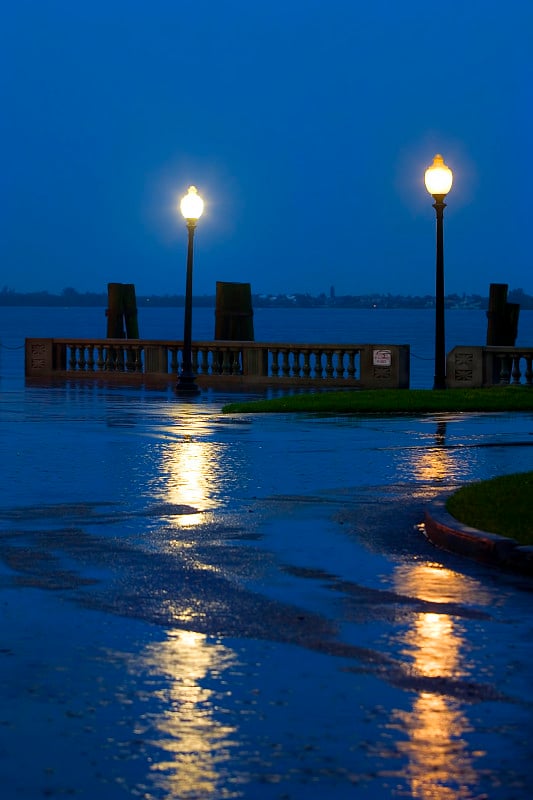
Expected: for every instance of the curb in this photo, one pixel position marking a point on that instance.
(448, 533)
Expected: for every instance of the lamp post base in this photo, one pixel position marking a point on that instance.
(186, 386)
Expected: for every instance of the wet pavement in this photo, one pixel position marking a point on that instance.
(204, 606)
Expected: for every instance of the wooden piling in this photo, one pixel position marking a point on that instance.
(502, 325)
(129, 303)
(114, 312)
(234, 316)
(121, 311)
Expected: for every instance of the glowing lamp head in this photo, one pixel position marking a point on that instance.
(192, 205)
(438, 177)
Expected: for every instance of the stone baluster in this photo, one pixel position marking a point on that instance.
(173, 360)
(528, 375)
(82, 362)
(226, 363)
(504, 369)
(339, 372)
(297, 362)
(306, 370)
(305, 367)
(130, 359)
(316, 365)
(90, 358)
(285, 365)
(235, 362)
(211, 361)
(110, 365)
(110, 359)
(516, 371)
(275, 364)
(206, 366)
(138, 358)
(72, 360)
(100, 360)
(351, 364)
(329, 364)
(199, 361)
(194, 360)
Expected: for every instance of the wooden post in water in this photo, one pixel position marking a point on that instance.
(121, 311)
(502, 325)
(234, 316)
(114, 311)
(129, 303)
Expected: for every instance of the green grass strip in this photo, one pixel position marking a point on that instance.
(392, 401)
(501, 505)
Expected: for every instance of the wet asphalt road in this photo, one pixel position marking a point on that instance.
(206, 606)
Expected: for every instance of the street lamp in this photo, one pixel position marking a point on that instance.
(438, 179)
(191, 207)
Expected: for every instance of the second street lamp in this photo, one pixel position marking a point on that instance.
(438, 179)
(191, 207)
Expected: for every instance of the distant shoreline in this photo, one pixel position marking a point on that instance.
(71, 298)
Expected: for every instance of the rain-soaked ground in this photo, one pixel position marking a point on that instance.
(203, 606)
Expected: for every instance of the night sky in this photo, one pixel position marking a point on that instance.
(305, 124)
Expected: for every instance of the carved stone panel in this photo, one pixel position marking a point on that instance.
(39, 357)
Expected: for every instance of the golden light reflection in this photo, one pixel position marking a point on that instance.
(434, 464)
(439, 585)
(432, 639)
(195, 742)
(188, 469)
(439, 766)
(439, 763)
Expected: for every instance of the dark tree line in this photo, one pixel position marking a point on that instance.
(71, 297)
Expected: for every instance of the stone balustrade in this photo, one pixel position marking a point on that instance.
(221, 364)
(472, 367)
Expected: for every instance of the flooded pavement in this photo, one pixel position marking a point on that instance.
(203, 606)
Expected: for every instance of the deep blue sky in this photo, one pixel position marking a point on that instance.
(306, 125)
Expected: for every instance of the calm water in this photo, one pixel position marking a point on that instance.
(354, 326)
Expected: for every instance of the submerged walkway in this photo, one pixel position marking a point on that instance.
(206, 606)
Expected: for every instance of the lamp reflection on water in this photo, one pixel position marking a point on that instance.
(195, 744)
(436, 463)
(440, 765)
(186, 670)
(188, 469)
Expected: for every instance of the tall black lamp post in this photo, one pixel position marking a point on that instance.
(191, 207)
(438, 179)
